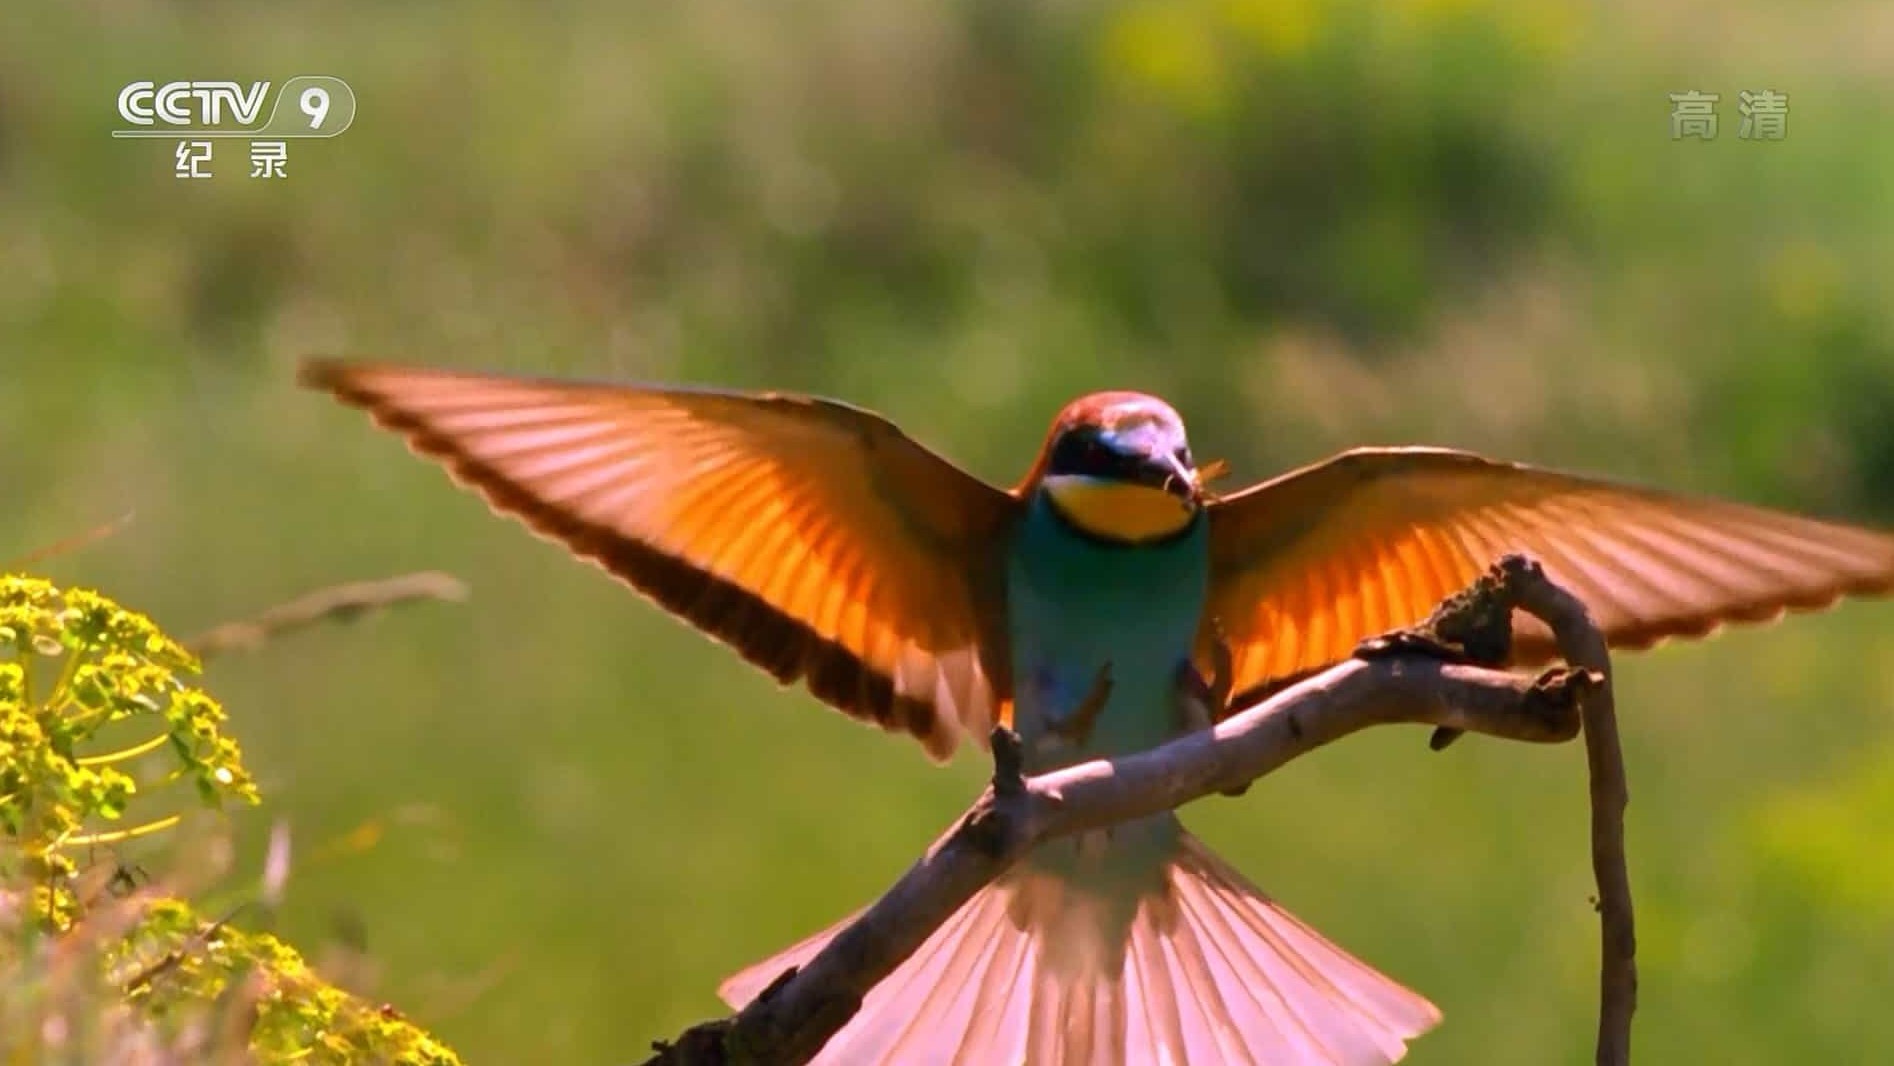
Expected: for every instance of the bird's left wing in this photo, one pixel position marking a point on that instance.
(1309, 564)
(816, 539)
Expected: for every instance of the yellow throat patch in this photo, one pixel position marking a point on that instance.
(1116, 510)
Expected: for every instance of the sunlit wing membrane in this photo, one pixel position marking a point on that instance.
(1307, 565)
(815, 538)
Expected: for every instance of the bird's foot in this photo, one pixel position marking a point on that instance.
(1222, 672)
(1206, 701)
(1473, 626)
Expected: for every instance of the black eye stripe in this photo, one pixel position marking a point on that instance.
(1082, 452)
(1076, 452)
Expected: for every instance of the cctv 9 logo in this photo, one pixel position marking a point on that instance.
(306, 106)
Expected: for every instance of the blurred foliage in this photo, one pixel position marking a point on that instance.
(176, 964)
(1310, 223)
(75, 949)
(105, 669)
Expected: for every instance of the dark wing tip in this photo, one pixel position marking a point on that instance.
(1761, 613)
(350, 382)
(325, 373)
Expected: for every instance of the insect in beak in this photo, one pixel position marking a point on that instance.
(1200, 480)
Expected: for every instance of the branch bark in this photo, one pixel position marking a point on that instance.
(1414, 677)
(1582, 645)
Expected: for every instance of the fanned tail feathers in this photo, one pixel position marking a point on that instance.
(1208, 971)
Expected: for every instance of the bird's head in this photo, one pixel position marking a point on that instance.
(1117, 466)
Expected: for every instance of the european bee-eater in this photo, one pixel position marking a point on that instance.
(827, 547)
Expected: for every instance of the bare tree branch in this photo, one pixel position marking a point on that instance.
(1427, 676)
(65, 545)
(333, 603)
(1582, 645)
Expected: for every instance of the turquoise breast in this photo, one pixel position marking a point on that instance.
(1075, 603)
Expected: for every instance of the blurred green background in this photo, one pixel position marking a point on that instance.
(554, 818)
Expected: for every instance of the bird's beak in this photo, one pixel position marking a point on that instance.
(1183, 482)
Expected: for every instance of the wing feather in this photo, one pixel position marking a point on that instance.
(815, 538)
(1307, 565)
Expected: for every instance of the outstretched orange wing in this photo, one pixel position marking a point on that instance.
(1308, 564)
(815, 538)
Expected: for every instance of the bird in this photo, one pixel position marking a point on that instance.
(830, 549)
